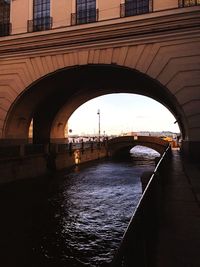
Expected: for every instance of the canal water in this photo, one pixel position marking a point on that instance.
(74, 218)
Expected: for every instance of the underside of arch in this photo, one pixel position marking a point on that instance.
(123, 150)
(51, 100)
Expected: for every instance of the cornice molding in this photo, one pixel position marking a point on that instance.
(153, 27)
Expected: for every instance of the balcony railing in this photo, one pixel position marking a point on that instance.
(5, 29)
(132, 8)
(84, 17)
(187, 3)
(40, 24)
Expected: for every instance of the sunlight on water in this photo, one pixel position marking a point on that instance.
(141, 152)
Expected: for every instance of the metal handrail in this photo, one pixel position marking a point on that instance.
(21, 150)
(135, 241)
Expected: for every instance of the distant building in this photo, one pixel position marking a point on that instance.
(131, 134)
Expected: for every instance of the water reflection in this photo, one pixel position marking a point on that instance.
(143, 153)
(75, 219)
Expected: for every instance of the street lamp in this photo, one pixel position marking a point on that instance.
(98, 113)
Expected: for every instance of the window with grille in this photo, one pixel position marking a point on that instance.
(134, 7)
(86, 11)
(41, 15)
(4, 17)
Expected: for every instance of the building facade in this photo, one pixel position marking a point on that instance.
(38, 15)
(56, 55)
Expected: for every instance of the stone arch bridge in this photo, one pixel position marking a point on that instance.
(122, 145)
(46, 76)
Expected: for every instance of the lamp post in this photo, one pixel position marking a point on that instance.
(69, 134)
(98, 113)
(70, 141)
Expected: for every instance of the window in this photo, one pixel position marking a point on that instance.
(5, 17)
(85, 11)
(134, 7)
(186, 3)
(41, 15)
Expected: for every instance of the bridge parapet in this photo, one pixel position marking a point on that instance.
(125, 143)
(140, 138)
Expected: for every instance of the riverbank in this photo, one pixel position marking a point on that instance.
(30, 166)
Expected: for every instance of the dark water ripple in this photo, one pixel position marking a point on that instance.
(75, 219)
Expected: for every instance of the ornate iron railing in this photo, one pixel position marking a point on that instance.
(40, 24)
(5, 29)
(84, 17)
(16, 151)
(187, 3)
(132, 8)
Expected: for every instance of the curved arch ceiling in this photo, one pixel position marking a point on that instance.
(51, 100)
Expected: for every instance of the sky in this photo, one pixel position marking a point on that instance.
(121, 113)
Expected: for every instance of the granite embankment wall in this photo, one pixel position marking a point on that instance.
(31, 166)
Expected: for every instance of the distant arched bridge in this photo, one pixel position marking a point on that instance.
(122, 145)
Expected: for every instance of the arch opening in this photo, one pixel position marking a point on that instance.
(137, 153)
(141, 152)
(120, 147)
(122, 114)
(51, 100)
